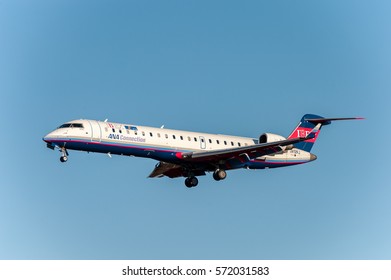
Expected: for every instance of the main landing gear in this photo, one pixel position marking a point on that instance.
(191, 182)
(64, 155)
(219, 174)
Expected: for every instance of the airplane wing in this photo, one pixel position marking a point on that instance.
(172, 170)
(166, 169)
(247, 152)
(196, 161)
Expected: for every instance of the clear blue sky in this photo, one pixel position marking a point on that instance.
(230, 67)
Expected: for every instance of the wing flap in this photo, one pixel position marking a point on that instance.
(166, 169)
(174, 170)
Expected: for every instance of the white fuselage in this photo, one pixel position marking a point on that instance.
(159, 143)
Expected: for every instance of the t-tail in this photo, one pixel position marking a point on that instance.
(307, 124)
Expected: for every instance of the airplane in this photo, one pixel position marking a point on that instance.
(190, 154)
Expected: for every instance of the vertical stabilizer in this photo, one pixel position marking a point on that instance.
(304, 128)
(307, 124)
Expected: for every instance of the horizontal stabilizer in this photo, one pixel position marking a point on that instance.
(326, 121)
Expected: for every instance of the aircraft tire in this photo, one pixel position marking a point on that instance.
(219, 174)
(63, 159)
(191, 182)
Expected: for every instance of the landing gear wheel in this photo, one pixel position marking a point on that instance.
(187, 183)
(64, 155)
(191, 182)
(63, 158)
(219, 174)
(194, 181)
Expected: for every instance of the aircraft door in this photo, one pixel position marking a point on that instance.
(96, 131)
(202, 142)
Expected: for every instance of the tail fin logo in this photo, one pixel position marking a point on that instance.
(304, 132)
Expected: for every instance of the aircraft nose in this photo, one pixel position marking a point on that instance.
(313, 157)
(47, 137)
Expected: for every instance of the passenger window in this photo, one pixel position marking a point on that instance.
(143, 133)
(158, 135)
(166, 135)
(120, 131)
(225, 142)
(173, 136)
(150, 134)
(189, 138)
(239, 144)
(181, 137)
(195, 139)
(218, 142)
(232, 143)
(135, 132)
(210, 141)
(113, 130)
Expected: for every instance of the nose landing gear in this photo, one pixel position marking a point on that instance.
(63, 158)
(64, 155)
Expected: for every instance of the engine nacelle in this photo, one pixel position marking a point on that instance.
(270, 137)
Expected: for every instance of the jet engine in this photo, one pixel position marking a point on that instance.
(270, 137)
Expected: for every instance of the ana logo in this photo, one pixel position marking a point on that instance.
(114, 136)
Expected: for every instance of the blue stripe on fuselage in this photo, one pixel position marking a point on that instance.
(129, 149)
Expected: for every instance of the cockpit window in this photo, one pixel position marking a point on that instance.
(66, 125)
